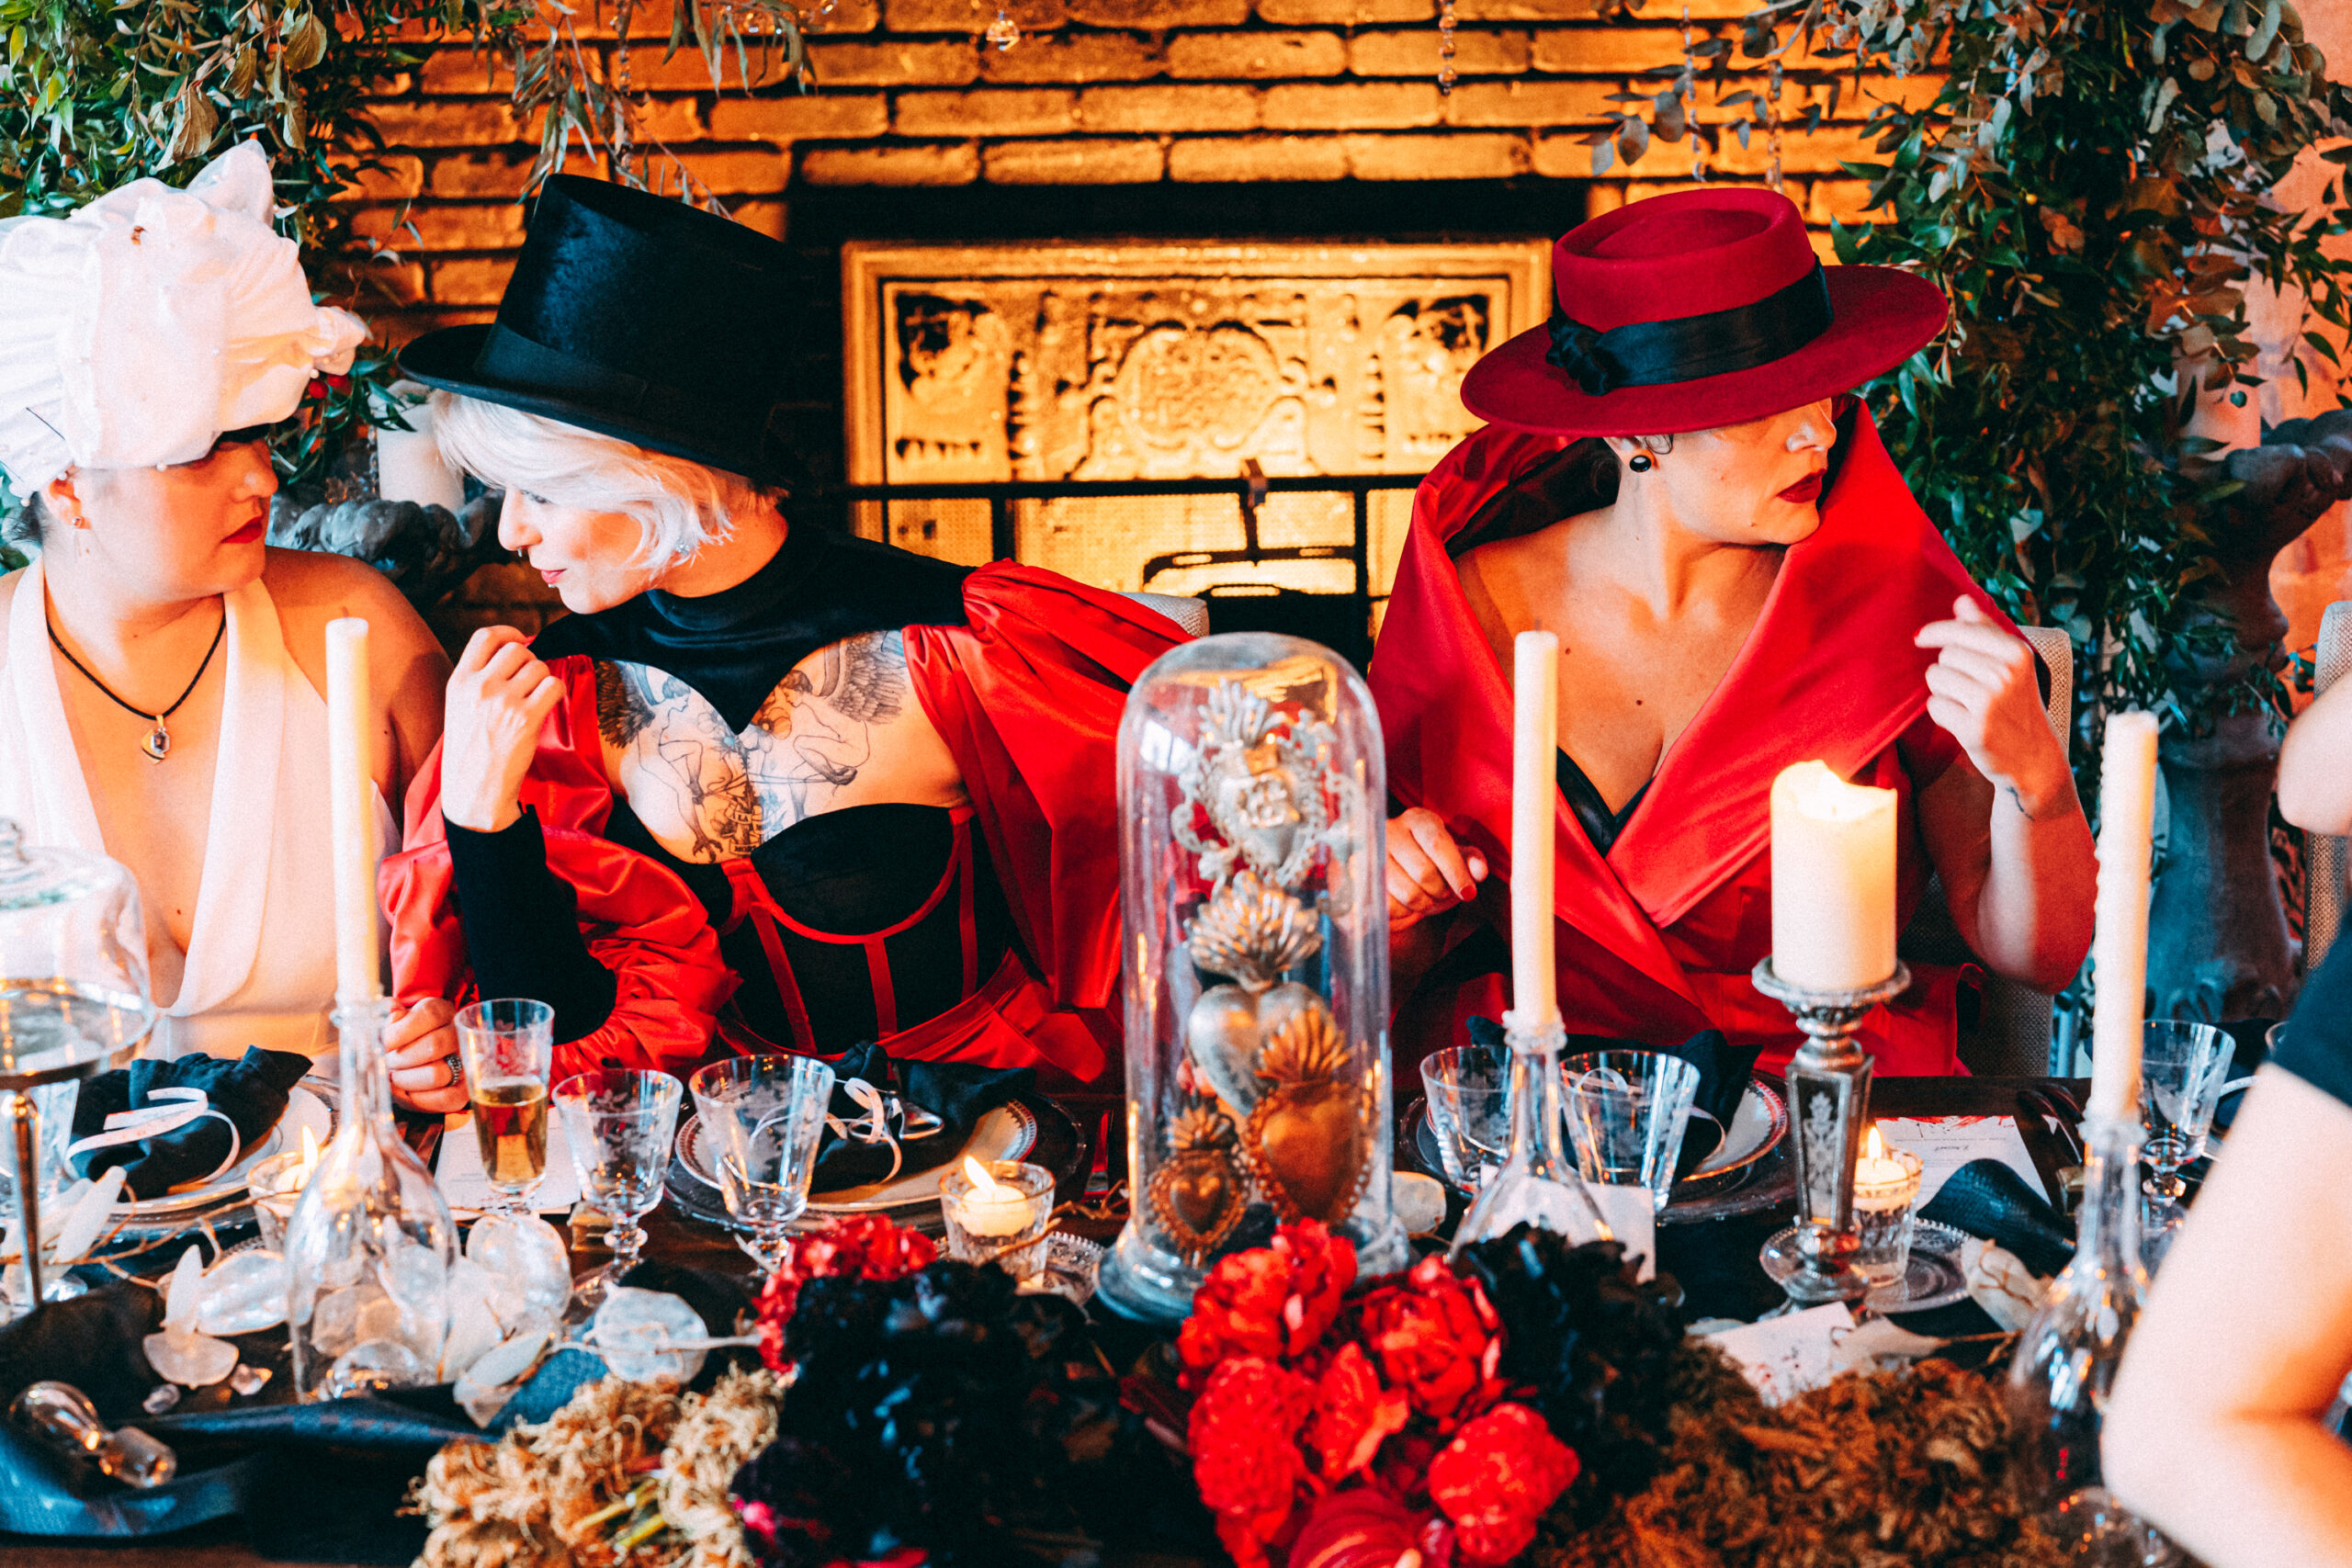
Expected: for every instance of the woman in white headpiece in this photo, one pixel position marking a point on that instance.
(161, 670)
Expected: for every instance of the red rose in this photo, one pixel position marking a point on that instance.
(1495, 1480)
(867, 1245)
(1244, 1433)
(1353, 1414)
(1276, 1302)
(1438, 1340)
(1363, 1529)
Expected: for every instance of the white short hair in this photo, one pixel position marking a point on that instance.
(681, 506)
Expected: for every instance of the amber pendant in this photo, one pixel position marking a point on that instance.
(1307, 1137)
(1199, 1192)
(158, 743)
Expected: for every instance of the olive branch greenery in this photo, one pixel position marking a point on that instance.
(95, 93)
(2090, 187)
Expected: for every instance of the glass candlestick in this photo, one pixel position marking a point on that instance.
(2067, 1359)
(1829, 1101)
(370, 1244)
(1538, 1184)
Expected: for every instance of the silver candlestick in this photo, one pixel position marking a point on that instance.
(1829, 1102)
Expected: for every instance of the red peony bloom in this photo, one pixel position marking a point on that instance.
(1244, 1433)
(1438, 1340)
(1495, 1480)
(1274, 1302)
(1363, 1529)
(1353, 1414)
(866, 1245)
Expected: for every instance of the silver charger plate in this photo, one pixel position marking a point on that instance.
(1932, 1278)
(304, 1109)
(1007, 1131)
(1755, 1130)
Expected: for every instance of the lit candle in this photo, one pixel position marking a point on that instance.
(1534, 806)
(992, 1208)
(1883, 1180)
(1833, 880)
(2127, 806)
(350, 818)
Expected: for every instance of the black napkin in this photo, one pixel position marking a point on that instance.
(957, 1093)
(1987, 1198)
(1723, 1071)
(250, 1091)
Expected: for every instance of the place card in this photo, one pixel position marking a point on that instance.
(1783, 1357)
(463, 1183)
(1944, 1144)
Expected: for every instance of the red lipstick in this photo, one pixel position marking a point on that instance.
(251, 534)
(1805, 490)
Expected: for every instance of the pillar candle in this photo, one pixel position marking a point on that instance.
(1535, 808)
(1833, 880)
(2127, 806)
(351, 818)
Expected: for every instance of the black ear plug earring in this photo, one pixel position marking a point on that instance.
(1641, 462)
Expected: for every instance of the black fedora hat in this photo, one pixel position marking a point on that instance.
(635, 316)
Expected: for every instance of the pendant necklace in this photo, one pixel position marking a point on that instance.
(157, 742)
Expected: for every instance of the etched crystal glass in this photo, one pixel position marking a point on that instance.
(1256, 952)
(370, 1243)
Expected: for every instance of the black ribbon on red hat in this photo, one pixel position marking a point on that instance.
(1686, 348)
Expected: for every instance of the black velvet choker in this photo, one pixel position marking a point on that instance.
(735, 645)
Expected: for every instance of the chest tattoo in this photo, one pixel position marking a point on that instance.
(709, 793)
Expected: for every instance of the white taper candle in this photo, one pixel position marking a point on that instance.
(350, 818)
(1535, 808)
(1833, 880)
(2127, 808)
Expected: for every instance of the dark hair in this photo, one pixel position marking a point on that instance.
(26, 522)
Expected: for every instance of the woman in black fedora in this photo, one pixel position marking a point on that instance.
(763, 787)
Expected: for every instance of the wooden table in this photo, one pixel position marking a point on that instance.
(1714, 1259)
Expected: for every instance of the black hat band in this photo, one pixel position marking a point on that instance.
(1689, 348)
(508, 357)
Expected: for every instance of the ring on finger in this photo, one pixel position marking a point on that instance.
(457, 1066)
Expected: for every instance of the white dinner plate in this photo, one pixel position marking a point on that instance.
(1756, 1127)
(1008, 1131)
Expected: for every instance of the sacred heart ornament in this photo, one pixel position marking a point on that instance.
(1305, 1137)
(1228, 1027)
(1199, 1192)
(1261, 780)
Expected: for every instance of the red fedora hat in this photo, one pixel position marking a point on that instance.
(1695, 311)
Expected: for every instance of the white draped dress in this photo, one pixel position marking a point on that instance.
(260, 966)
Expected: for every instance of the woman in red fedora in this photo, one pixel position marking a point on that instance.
(1674, 481)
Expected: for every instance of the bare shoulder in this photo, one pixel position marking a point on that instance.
(312, 588)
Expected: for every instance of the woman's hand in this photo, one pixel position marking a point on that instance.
(499, 698)
(1428, 871)
(1982, 691)
(421, 1049)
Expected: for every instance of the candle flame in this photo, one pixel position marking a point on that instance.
(983, 1184)
(309, 1158)
(1876, 1148)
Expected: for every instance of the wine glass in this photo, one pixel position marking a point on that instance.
(509, 1046)
(2182, 1069)
(764, 1116)
(619, 1124)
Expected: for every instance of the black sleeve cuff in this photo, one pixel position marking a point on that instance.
(522, 926)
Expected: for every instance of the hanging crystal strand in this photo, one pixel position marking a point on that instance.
(1538, 1184)
(621, 79)
(1003, 32)
(370, 1244)
(1772, 122)
(1690, 89)
(1445, 48)
(2067, 1357)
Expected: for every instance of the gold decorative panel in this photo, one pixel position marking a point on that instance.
(1155, 360)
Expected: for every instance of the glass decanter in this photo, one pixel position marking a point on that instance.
(1538, 1184)
(2067, 1359)
(370, 1244)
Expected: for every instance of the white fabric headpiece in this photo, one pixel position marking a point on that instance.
(138, 330)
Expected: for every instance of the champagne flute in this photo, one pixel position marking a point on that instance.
(619, 1124)
(509, 1049)
(764, 1116)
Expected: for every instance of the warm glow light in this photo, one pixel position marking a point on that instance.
(984, 1186)
(301, 1173)
(1876, 1148)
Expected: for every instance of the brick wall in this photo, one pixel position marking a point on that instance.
(1209, 117)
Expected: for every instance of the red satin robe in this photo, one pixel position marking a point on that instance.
(1656, 940)
(1027, 695)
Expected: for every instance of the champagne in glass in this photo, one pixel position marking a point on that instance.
(511, 1124)
(509, 1046)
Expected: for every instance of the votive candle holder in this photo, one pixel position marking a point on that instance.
(274, 1196)
(1887, 1201)
(1005, 1223)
